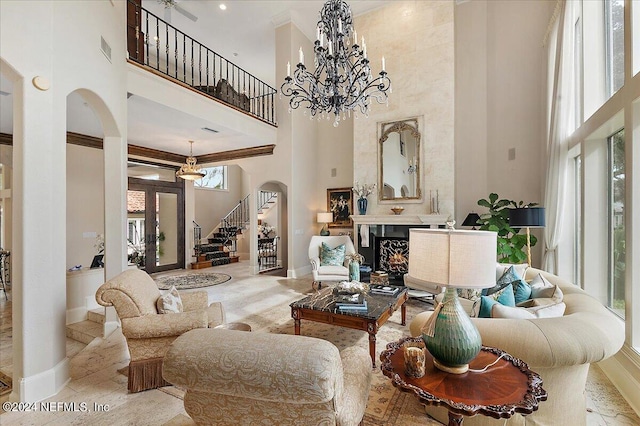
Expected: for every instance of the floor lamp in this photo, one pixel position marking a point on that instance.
(527, 217)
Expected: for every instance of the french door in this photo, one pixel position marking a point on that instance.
(156, 224)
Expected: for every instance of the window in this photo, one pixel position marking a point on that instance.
(617, 249)
(577, 225)
(614, 33)
(215, 178)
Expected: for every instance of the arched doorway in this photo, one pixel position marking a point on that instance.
(270, 238)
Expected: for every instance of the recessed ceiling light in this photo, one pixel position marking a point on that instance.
(223, 6)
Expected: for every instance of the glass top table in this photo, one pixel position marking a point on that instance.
(321, 307)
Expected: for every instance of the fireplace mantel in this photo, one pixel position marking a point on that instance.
(401, 219)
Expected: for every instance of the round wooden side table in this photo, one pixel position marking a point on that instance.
(506, 388)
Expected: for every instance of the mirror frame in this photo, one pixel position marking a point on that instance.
(386, 129)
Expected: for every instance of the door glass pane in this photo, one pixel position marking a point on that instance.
(135, 228)
(166, 228)
(150, 172)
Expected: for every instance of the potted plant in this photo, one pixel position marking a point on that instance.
(512, 245)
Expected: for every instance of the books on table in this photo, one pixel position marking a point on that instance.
(388, 290)
(351, 302)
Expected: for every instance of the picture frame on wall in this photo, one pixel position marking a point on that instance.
(340, 203)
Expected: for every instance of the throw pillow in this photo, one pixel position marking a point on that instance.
(332, 256)
(469, 293)
(501, 268)
(503, 297)
(541, 288)
(548, 311)
(522, 290)
(170, 302)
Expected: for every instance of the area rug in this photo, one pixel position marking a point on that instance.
(191, 280)
(5, 384)
(386, 406)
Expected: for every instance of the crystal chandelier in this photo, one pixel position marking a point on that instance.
(190, 171)
(342, 79)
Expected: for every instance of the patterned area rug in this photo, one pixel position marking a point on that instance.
(191, 280)
(386, 406)
(5, 384)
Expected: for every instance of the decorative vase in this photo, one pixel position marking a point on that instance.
(362, 205)
(354, 271)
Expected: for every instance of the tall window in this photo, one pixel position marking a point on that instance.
(614, 32)
(617, 249)
(215, 178)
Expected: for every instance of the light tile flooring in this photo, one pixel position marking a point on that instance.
(96, 382)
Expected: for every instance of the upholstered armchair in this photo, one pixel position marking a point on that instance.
(321, 272)
(242, 378)
(134, 294)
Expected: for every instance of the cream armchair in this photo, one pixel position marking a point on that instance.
(241, 378)
(329, 273)
(133, 293)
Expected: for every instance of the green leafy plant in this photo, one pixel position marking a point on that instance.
(512, 245)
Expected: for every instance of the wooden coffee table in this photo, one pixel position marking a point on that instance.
(320, 307)
(502, 390)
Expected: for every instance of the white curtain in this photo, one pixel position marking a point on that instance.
(561, 121)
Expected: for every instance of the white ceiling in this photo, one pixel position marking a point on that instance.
(244, 33)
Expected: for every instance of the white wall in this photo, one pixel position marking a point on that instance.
(500, 88)
(85, 203)
(417, 40)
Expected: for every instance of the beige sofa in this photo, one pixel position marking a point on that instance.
(559, 349)
(243, 378)
(133, 293)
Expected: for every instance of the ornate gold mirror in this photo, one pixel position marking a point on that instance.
(399, 159)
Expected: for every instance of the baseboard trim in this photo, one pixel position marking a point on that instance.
(299, 272)
(43, 385)
(76, 315)
(623, 369)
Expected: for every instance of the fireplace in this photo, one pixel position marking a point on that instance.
(391, 254)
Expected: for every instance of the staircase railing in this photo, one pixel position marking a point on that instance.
(238, 217)
(197, 238)
(264, 198)
(159, 45)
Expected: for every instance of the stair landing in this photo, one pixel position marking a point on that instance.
(87, 330)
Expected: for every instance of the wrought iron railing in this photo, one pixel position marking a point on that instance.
(159, 45)
(238, 217)
(265, 198)
(197, 238)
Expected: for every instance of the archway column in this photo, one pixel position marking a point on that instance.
(40, 366)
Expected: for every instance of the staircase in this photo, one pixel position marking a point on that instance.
(221, 247)
(217, 250)
(87, 330)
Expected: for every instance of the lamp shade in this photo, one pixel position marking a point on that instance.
(324, 217)
(528, 217)
(471, 219)
(453, 258)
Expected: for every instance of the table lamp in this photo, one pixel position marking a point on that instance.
(527, 217)
(471, 220)
(325, 218)
(452, 259)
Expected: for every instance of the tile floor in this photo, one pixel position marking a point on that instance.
(96, 382)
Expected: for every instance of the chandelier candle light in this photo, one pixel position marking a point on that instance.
(190, 170)
(342, 80)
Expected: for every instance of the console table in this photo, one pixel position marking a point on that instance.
(502, 390)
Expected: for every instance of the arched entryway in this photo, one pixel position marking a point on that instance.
(271, 229)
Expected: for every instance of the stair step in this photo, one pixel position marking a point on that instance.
(216, 255)
(84, 331)
(96, 315)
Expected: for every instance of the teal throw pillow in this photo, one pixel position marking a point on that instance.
(504, 297)
(332, 257)
(522, 290)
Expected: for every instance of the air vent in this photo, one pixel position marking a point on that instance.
(106, 49)
(210, 130)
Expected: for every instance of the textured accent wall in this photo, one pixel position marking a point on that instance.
(416, 39)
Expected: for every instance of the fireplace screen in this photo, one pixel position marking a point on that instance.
(392, 255)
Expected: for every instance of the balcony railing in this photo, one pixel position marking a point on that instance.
(159, 45)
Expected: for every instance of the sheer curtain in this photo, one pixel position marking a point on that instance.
(561, 123)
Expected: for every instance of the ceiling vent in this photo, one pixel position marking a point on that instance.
(106, 49)
(208, 129)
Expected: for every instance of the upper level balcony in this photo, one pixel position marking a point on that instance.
(161, 48)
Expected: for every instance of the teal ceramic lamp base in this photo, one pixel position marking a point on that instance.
(456, 340)
(324, 231)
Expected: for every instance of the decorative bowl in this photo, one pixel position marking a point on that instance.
(397, 210)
